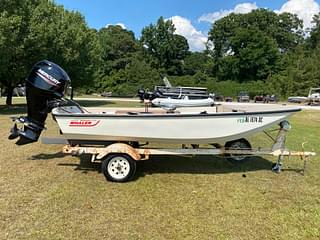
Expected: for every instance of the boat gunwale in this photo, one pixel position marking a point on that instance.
(173, 115)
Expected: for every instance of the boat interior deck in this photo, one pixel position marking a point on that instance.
(225, 107)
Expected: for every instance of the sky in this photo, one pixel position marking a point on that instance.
(192, 18)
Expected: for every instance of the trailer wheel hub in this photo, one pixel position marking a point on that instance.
(119, 167)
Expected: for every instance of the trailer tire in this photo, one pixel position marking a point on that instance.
(237, 145)
(118, 167)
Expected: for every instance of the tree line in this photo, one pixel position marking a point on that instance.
(261, 52)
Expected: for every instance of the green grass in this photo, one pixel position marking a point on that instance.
(46, 195)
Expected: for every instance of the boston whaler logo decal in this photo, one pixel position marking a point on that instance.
(83, 123)
(250, 119)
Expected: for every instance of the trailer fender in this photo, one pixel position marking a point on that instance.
(119, 148)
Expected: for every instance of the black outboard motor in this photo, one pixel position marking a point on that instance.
(141, 93)
(146, 95)
(45, 88)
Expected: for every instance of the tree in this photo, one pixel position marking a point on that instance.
(137, 74)
(255, 56)
(14, 18)
(117, 47)
(34, 30)
(64, 38)
(248, 46)
(164, 48)
(198, 62)
(314, 40)
(301, 66)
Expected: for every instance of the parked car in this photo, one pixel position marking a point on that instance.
(218, 98)
(106, 94)
(273, 98)
(243, 97)
(259, 98)
(19, 91)
(228, 99)
(314, 96)
(265, 98)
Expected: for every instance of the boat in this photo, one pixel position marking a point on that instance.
(178, 92)
(168, 91)
(171, 103)
(297, 99)
(220, 124)
(186, 126)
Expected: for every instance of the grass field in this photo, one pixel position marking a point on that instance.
(46, 195)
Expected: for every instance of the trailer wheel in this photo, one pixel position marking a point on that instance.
(118, 168)
(240, 144)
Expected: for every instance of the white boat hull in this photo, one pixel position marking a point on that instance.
(183, 102)
(188, 127)
(297, 99)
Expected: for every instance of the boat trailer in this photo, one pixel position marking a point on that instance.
(119, 158)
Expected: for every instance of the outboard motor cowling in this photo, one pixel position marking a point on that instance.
(146, 95)
(45, 88)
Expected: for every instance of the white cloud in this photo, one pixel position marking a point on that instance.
(117, 24)
(305, 10)
(196, 39)
(240, 8)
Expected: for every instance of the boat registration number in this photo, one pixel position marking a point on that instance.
(250, 119)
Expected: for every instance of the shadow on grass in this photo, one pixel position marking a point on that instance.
(177, 164)
(206, 165)
(50, 156)
(295, 170)
(85, 165)
(14, 109)
(200, 165)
